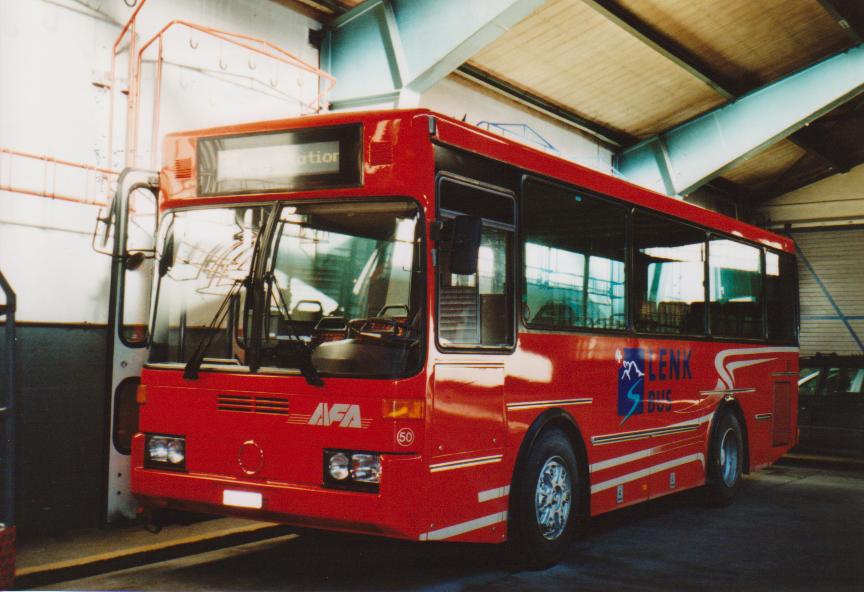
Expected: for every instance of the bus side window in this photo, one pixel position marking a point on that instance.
(574, 251)
(476, 310)
(669, 271)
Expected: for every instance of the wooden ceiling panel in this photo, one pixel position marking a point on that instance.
(571, 55)
(772, 163)
(750, 42)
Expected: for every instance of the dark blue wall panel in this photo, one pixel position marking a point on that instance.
(61, 423)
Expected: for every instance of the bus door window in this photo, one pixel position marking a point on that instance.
(669, 276)
(138, 267)
(574, 251)
(735, 272)
(476, 310)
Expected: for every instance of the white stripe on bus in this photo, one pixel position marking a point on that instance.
(645, 472)
(463, 527)
(490, 494)
(461, 464)
(675, 428)
(542, 404)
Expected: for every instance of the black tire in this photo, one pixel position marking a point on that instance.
(535, 544)
(725, 460)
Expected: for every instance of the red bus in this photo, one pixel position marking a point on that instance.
(395, 323)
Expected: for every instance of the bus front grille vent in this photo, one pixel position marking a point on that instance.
(183, 168)
(252, 404)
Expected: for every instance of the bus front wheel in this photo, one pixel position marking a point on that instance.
(725, 460)
(548, 503)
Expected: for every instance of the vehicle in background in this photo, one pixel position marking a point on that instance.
(831, 404)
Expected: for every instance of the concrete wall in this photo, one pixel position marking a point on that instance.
(826, 219)
(837, 200)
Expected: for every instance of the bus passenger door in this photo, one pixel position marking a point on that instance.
(475, 330)
(132, 220)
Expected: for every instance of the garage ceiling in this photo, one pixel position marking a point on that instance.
(630, 69)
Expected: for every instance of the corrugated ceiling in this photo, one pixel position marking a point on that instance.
(639, 67)
(571, 55)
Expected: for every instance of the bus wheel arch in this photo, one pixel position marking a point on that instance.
(553, 430)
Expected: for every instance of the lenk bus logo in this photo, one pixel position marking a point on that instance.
(662, 365)
(346, 416)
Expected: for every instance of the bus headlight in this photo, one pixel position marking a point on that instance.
(339, 466)
(165, 452)
(347, 469)
(366, 468)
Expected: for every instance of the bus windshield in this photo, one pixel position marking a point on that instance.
(340, 282)
(202, 256)
(343, 279)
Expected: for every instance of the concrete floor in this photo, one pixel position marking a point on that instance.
(792, 528)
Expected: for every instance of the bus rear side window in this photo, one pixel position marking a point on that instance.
(736, 289)
(782, 295)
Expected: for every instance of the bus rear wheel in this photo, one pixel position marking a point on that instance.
(548, 505)
(725, 460)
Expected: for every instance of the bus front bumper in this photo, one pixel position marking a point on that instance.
(393, 511)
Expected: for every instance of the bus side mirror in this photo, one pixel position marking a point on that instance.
(465, 246)
(134, 260)
(166, 261)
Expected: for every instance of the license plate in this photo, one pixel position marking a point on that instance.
(242, 499)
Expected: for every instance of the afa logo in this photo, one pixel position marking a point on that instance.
(631, 381)
(341, 414)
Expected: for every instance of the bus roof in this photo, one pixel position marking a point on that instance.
(458, 134)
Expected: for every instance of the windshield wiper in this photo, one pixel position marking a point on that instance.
(190, 372)
(302, 352)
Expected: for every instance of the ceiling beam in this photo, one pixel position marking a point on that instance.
(386, 52)
(614, 138)
(685, 157)
(665, 46)
(812, 145)
(690, 62)
(849, 15)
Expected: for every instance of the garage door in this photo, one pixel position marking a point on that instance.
(831, 275)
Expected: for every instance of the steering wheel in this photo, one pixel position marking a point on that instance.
(360, 326)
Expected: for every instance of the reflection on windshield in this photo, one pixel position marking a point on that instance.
(342, 280)
(203, 254)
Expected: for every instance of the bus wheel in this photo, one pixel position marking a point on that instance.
(548, 503)
(725, 460)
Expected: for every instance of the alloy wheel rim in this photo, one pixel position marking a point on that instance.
(729, 458)
(553, 498)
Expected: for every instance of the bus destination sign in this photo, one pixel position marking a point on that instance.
(281, 161)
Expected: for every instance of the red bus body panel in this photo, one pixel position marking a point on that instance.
(451, 479)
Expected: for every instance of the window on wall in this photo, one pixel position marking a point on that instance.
(781, 294)
(574, 252)
(735, 272)
(476, 310)
(668, 276)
